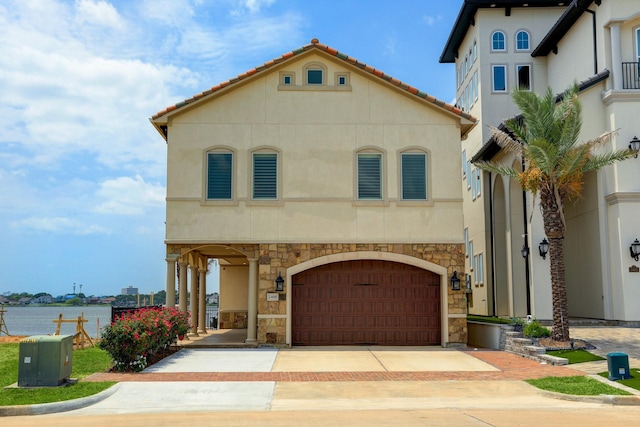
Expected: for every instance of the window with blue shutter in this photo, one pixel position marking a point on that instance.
(219, 176)
(265, 176)
(414, 176)
(369, 176)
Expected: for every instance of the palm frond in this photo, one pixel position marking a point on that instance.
(506, 141)
(598, 161)
(497, 168)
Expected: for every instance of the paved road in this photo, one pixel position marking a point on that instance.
(346, 386)
(446, 415)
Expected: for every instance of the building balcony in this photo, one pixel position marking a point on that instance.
(631, 75)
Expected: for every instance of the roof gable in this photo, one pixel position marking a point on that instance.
(160, 118)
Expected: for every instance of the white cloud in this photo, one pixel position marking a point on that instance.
(99, 13)
(254, 6)
(59, 225)
(129, 196)
(431, 20)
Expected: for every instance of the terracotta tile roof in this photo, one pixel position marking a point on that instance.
(315, 44)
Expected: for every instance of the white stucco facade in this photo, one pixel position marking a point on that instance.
(601, 278)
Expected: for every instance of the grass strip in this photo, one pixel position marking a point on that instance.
(633, 382)
(84, 363)
(576, 356)
(580, 386)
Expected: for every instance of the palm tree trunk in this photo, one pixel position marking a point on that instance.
(560, 331)
(554, 227)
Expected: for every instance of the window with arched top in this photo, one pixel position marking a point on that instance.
(219, 174)
(522, 40)
(265, 174)
(498, 41)
(413, 174)
(369, 164)
(315, 74)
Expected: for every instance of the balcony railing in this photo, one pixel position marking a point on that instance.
(631, 75)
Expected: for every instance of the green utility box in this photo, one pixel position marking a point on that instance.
(45, 360)
(618, 364)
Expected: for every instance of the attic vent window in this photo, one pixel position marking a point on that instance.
(314, 76)
(286, 80)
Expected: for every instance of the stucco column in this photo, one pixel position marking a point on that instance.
(193, 298)
(171, 283)
(182, 295)
(616, 56)
(202, 299)
(252, 315)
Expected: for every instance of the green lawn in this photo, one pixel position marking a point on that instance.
(84, 363)
(576, 356)
(581, 386)
(633, 382)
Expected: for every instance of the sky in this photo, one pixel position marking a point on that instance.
(83, 172)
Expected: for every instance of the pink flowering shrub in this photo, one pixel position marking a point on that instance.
(133, 337)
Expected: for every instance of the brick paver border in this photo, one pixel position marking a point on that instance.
(510, 368)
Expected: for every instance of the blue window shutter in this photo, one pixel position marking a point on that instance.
(219, 176)
(414, 176)
(370, 176)
(265, 176)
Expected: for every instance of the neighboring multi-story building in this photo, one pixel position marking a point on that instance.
(129, 290)
(330, 193)
(499, 45)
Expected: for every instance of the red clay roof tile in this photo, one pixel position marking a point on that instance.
(315, 44)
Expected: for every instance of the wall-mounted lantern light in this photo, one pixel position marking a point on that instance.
(455, 282)
(543, 247)
(279, 283)
(635, 145)
(635, 249)
(524, 251)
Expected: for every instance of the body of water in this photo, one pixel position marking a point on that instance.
(39, 320)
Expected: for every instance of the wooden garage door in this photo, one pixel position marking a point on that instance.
(366, 302)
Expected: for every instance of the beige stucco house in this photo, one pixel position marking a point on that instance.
(336, 180)
(500, 45)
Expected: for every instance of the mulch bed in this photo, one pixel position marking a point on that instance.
(573, 344)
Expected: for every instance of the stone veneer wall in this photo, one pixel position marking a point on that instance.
(275, 258)
(232, 320)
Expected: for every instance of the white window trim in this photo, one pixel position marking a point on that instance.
(522, 30)
(530, 65)
(474, 188)
(464, 164)
(466, 242)
(478, 183)
(504, 34)
(506, 78)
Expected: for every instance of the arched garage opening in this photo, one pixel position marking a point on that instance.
(366, 299)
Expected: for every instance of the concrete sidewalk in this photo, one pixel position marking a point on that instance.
(345, 378)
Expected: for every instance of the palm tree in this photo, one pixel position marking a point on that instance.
(545, 137)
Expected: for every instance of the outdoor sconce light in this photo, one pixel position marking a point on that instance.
(635, 145)
(279, 283)
(635, 249)
(455, 282)
(524, 251)
(543, 247)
